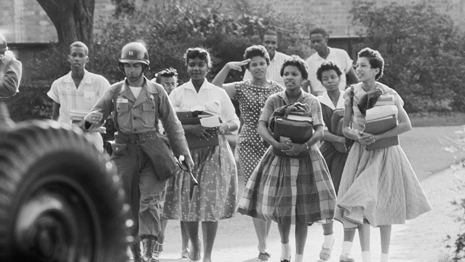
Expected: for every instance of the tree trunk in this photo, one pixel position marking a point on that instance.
(73, 19)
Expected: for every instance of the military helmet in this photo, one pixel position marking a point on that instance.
(134, 52)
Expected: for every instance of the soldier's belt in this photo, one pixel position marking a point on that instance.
(122, 138)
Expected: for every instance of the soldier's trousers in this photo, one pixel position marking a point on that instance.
(144, 192)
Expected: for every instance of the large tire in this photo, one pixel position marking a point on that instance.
(60, 199)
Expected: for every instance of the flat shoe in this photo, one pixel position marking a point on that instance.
(325, 252)
(264, 256)
(344, 258)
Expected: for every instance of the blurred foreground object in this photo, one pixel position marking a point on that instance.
(60, 199)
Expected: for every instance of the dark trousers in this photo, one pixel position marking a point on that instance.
(144, 191)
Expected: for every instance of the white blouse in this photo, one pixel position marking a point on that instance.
(210, 98)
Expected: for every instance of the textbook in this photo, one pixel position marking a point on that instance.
(299, 131)
(381, 125)
(195, 118)
(378, 112)
(385, 100)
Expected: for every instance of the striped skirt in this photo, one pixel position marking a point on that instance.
(380, 187)
(286, 189)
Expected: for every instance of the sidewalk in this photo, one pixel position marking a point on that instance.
(421, 239)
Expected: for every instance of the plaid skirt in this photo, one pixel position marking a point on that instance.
(287, 189)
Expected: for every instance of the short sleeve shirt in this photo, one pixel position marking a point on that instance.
(358, 120)
(77, 102)
(337, 56)
(280, 99)
(210, 98)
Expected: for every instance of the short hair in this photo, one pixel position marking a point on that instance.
(319, 30)
(256, 50)
(374, 58)
(167, 72)
(269, 31)
(298, 62)
(198, 52)
(79, 44)
(327, 66)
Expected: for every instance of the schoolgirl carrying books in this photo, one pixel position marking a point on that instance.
(378, 185)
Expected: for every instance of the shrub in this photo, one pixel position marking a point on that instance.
(422, 50)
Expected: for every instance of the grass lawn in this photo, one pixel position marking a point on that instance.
(425, 144)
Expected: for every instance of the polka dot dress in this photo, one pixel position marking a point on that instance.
(251, 100)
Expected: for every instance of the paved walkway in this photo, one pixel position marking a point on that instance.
(421, 239)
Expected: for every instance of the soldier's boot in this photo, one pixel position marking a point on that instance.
(157, 249)
(135, 250)
(147, 247)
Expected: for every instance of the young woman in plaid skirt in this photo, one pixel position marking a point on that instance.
(287, 188)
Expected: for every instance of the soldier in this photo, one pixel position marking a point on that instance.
(143, 159)
(10, 70)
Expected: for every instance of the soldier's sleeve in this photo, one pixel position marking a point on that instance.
(10, 78)
(172, 125)
(105, 104)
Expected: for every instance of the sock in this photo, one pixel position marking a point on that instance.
(346, 248)
(299, 258)
(329, 240)
(262, 248)
(366, 256)
(285, 251)
(384, 257)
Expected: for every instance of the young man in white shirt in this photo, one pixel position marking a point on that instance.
(75, 93)
(319, 42)
(270, 41)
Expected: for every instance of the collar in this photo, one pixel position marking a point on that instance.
(326, 100)
(85, 79)
(148, 88)
(205, 85)
(321, 58)
(286, 100)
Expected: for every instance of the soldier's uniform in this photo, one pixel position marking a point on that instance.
(143, 158)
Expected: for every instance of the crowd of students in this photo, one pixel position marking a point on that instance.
(173, 167)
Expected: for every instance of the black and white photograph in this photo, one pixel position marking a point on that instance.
(232, 130)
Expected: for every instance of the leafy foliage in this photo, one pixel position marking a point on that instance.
(169, 28)
(422, 51)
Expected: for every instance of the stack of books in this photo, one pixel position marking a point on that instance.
(211, 122)
(380, 119)
(295, 127)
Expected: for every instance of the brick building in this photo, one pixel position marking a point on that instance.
(24, 21)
